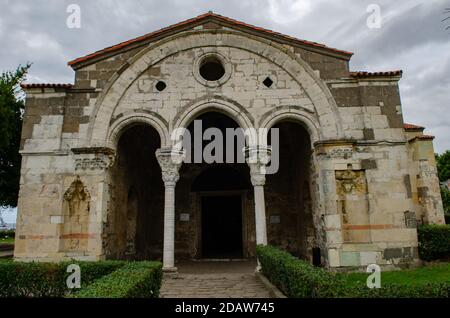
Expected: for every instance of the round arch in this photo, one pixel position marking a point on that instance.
(300, 71)
(131, 119)
(294, 114)
(231, 109)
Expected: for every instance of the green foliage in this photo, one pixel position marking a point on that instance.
(134, 280)
(415, 276)
(445, 194)
(299, 279)
(443, 166)
(11, 112)
(434, 242)
(7, 233)
(47, 279)
(430, 290)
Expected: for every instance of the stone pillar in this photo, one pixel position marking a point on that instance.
(170, 162)
(257, 159)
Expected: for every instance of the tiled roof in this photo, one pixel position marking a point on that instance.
(362, 74)
(422, 137)
(412, 127)
(425, 137)
(203, 18)
(45, 85)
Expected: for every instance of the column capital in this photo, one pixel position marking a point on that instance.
(257, 158)
(170, 161)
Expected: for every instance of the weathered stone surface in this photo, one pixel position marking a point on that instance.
(351, 181)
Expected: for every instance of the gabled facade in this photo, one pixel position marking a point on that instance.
(101, 177)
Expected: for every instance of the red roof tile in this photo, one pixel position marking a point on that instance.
(45, 85)
(197, 20)
(425, 137)
(412, 127)
(363, 74)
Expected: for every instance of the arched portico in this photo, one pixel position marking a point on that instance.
(318, 115)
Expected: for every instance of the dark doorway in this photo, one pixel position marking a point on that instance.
(136, 222)
(222, 227)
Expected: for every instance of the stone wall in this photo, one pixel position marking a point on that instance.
(353, 196)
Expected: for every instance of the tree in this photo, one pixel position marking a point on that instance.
(445, 194)
(443, 166)
(11, 115)
(447, 12)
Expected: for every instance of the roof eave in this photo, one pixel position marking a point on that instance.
(208, 17)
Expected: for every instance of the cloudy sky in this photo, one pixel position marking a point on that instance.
(412, 37)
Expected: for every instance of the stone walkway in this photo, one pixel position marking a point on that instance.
(214, 280)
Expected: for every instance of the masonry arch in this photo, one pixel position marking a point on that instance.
(228, 108)
(128, 120)
(295, 114)
(317, 91)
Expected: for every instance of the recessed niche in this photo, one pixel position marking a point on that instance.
(160, 86)
(268, 82)
(211, 69)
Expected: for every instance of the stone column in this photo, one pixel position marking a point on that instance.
(257, 159)
(170, 162)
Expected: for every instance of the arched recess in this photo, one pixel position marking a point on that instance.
(317, 91)
(134, 225)
(231, 109)
(296, 114)
(128, 120)
(289, 199)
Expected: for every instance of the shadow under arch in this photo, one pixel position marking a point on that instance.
(231, 109)
(135, 221)
(294, 114)
(129, 120)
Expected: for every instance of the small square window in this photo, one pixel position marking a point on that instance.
(268, 82)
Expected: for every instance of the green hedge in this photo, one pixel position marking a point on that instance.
(134, 280)
(7, 233)
(299, 279)
(47, 279)
(434, 242)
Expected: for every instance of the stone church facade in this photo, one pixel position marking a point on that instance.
(101, 178)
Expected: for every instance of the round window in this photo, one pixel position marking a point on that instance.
(211, 69)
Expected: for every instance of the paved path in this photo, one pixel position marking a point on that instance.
(6, 250)
(5, 254)
(214, 280)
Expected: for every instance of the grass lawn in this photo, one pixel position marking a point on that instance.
(9, 240)
(423, 275)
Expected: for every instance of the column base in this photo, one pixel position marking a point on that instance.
(170, 270)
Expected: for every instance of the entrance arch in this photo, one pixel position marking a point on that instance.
(135, 223)
(288, 192)
(221, 217)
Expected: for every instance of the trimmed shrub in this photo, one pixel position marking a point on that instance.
(134, 280)
(297, 278)
(434, 242)
(47, 279)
